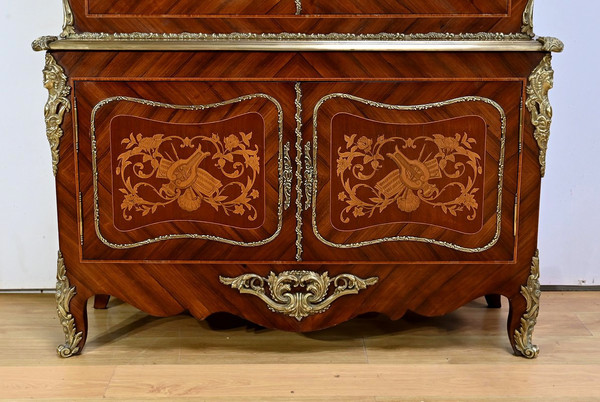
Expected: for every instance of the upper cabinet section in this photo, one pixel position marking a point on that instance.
(376, 19)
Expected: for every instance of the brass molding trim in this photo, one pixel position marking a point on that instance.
(55, 81)
(527, 27)
(106, 101)
(457, 247)
(308, 175)
(64, 293)
(298, 7)
(286, 36)
(68, 20)
(315, 297)
(298, 132)
(303, 44)
(541, 81)
(531, 292)
(287, 176)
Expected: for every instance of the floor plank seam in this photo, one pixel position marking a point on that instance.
(587, 328)
(108, 383)
(364, 344)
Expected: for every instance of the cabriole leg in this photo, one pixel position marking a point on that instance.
(524, 310)
(72, 312)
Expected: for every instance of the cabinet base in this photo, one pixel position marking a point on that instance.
(297, 300)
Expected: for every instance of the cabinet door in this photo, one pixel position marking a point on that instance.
(413, 171)
(183, 171)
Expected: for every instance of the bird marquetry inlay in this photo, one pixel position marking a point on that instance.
(213, 170)
(382, 172)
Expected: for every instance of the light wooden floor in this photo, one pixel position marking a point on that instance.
(462, 356)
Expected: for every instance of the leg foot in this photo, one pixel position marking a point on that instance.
(493, 301)
(101, 302)
(523, 314)
(72, 313)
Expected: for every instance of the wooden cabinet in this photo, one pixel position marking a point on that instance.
(293, 187)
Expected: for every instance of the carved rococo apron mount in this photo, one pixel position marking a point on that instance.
(311, 297)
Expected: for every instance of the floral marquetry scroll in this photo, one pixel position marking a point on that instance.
(428, 173)
(204, 172)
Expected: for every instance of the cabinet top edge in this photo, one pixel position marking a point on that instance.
(548, 44)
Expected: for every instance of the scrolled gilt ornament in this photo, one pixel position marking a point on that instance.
(43, 43)
(64, 294)
(314, 298)
(287, 176)
(531, 292)
(55, 81)
(308, 175)
(298, 132)
(527, 27)
(541, 81)
(68, 20)
(551, 44)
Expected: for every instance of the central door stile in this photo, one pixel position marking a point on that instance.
(299, 171)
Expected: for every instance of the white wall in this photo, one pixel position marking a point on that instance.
(570, 223)
(569, 239)
(28, 238)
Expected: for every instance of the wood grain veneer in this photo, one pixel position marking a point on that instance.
(315, 16)
(169, 277)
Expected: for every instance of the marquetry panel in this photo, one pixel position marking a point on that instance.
(207, 169)
(413, 169)
(427, 173)
(201, 172)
